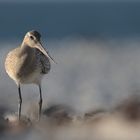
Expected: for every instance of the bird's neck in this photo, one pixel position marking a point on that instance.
(26, 49)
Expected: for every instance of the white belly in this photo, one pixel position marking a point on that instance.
(34, 77)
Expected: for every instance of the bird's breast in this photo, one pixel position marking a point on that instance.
(26, 66)
(20, 65)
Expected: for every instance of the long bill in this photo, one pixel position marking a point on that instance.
(40, 47)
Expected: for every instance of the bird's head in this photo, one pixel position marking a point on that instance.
(32, 39)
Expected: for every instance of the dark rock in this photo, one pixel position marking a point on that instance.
(130, 108)
(58, 114)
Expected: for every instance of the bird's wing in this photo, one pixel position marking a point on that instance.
(44, 62)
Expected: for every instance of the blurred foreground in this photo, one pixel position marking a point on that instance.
(59, 123)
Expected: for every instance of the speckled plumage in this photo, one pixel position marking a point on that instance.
(43, 62)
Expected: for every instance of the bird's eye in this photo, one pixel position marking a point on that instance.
(31, 37)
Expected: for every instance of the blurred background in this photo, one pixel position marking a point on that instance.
(95, 43)
(65, 18)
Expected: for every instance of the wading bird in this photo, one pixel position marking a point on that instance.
(27, 64)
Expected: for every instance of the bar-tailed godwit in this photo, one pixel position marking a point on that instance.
(27, 64)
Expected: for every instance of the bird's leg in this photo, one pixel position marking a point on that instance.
(40, 101)
(20, 102)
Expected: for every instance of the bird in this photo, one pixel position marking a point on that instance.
(27, 64)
